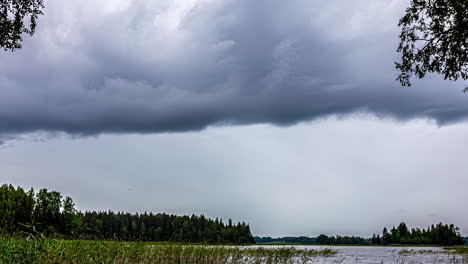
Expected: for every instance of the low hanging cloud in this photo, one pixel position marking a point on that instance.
(162, 66)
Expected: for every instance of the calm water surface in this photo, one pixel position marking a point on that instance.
(387, 255)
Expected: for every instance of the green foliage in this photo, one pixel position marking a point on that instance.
(162, 227)
(13, 21)
(386, 237)
(434, 39)
(323, 239)
(458, 250)
(16, 207)
(376, 240)
(54, 216)
(46, 215)
(14, 250)
(434, 235)
(340, 240)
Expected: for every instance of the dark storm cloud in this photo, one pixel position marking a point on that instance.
(141, 66)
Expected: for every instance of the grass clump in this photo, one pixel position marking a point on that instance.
(416, 252)
(33, 250)
(463, 250)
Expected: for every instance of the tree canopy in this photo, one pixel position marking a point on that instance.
(52, 215)
(434, 39)
(18, 17)
(439, 234)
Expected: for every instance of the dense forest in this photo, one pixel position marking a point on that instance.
(439, 234)
(49, 213)
(340, 240)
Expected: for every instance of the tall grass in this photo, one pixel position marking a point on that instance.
(451, 255)
(458, 249)
(33, 250)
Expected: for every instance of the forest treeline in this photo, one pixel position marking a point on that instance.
(285, 240)
(320, 240)
(439, 234)
(51, 214)
(340, 240)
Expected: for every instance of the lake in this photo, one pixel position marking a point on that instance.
(387, 255)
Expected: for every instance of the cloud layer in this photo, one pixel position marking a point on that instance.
(156, 66)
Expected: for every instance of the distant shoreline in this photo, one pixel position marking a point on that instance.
(351, 245)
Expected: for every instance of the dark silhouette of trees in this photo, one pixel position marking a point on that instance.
(376, 240)
(18, 17)
(53, 215)
(403, 230)
(10, 213)
(434, 39)
(386, 237)
(340, 240)
(465, 240)
(439, 234)
(162, 227)
(323, 239)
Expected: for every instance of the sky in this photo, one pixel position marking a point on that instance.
(283, 114)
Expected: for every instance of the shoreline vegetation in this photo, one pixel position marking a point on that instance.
(50, 214)
(354, 245)
(38, 250)
(434, 235)
(44, 227)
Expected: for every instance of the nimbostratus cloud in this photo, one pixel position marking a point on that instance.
(154, 66)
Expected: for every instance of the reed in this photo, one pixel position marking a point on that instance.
(33, 250)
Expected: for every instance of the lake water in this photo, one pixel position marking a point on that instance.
(387, 255)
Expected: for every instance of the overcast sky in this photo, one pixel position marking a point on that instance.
(284, 114)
